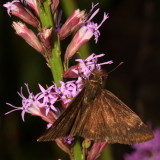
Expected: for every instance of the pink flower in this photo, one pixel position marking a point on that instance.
(84, 34)
(32, 105)
(85, 66)
(54, 5)
(16, 9)
(96, 150)
(28, 35)
(76, 19)
(33, 5)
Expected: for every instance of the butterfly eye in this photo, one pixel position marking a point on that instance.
(92, 76)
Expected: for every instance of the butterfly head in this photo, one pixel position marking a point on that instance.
(97, 76)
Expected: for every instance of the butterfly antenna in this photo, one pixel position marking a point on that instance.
(116, 67)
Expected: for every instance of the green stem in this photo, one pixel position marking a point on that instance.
(55, 60)
(77, 150)
(47, 8)
(107, 153)
(45, 13)
(42, 14)
(56, 64)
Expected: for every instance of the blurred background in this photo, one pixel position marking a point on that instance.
(130, 35)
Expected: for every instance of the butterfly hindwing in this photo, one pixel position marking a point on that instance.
(109, 119)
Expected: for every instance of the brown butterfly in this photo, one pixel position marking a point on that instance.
(97, 114)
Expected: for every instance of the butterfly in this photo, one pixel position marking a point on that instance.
(97, 114)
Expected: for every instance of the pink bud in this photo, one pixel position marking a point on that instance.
(23, 13)
(54, 5)
(82, 36)
(74, 21)
(61, 145)
(69, 73)
(96, 150)
(33, 5)
(46, 37)
(28, 35)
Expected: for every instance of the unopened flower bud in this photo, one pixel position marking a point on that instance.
(46, 37)
(54, 5)
(82, 36)
(61, 145)
(33, 5)
(28, 35)
(96, 150)
(16, 9)
(69, 73)
(77, 19)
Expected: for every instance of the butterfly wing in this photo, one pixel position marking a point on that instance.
(66, 122)
(104, 118)
(108, 119)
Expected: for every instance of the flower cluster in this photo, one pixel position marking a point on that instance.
(44, 16)
(147, 150)
(43, 104)
(42, 41)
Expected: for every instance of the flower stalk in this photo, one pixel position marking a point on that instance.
(77, 150)
(55, 61)
(56, 65)
(47, 8)
(43, 15)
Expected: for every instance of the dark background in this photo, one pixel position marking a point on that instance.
(131, 35)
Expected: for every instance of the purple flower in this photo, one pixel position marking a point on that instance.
(26, 103)
(85, 33)
(147, 150)
(93, 27)
(11, 6)
(17, 9)
(47, 98)
(43, 103)
(85, 67)
(34, 106)
(68, 140)
(58, 21)
(83, 70)
(67, 91)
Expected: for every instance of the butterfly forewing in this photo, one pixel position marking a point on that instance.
(64, 124)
